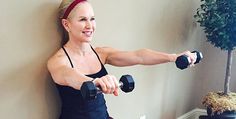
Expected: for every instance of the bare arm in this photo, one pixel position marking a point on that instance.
(65, 75)
(142, 57)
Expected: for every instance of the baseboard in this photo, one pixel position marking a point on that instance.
(193, 114)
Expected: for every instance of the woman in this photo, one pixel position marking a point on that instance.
(77, 61)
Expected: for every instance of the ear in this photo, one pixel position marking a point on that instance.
(65, 24)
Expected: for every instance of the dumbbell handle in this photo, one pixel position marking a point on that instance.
(89, 91)
(198, 55)
(99, 88)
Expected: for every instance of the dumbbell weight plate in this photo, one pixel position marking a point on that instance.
(127, 83)
(199, 56)
(182, 62)
(89, 90)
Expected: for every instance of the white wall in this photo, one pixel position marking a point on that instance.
(163, 91)
(28, 36)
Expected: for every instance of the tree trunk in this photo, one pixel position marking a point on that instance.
(228, 72)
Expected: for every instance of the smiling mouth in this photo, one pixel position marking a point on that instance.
(88, 33)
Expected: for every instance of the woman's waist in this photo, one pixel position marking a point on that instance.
(78, 101)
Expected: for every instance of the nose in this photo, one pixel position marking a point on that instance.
(88, 24)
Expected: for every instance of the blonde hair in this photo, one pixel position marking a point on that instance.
(62, 8)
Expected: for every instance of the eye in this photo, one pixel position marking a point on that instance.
(92, 19)
(83, 19)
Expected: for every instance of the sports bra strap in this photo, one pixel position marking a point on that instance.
(71, 60)
(68, 56)
(96, 55)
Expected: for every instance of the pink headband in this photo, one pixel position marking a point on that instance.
(71, 7)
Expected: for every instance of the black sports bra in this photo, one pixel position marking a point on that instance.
(99, 73)
(75, 107)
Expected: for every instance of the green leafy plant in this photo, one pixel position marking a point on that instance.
(218, 19)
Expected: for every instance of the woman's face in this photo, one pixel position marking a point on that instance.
(81, 22)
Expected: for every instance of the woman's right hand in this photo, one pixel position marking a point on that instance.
(108, 83)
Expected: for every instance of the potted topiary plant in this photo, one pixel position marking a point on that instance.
(218, 20)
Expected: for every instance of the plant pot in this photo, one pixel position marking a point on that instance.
(224, 115)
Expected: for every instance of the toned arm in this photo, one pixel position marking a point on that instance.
(142, 57)
(63, 74)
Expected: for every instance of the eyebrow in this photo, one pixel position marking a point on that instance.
(84, 17)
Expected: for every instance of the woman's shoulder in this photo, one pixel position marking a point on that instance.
(104, 49)
(57, 59)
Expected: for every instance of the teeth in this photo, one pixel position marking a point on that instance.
(88, 33)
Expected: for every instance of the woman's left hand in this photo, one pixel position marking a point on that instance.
(192, 57)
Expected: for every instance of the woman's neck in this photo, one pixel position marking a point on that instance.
(79, 48)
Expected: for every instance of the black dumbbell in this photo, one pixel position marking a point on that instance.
(89, 91)
(183, 61)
